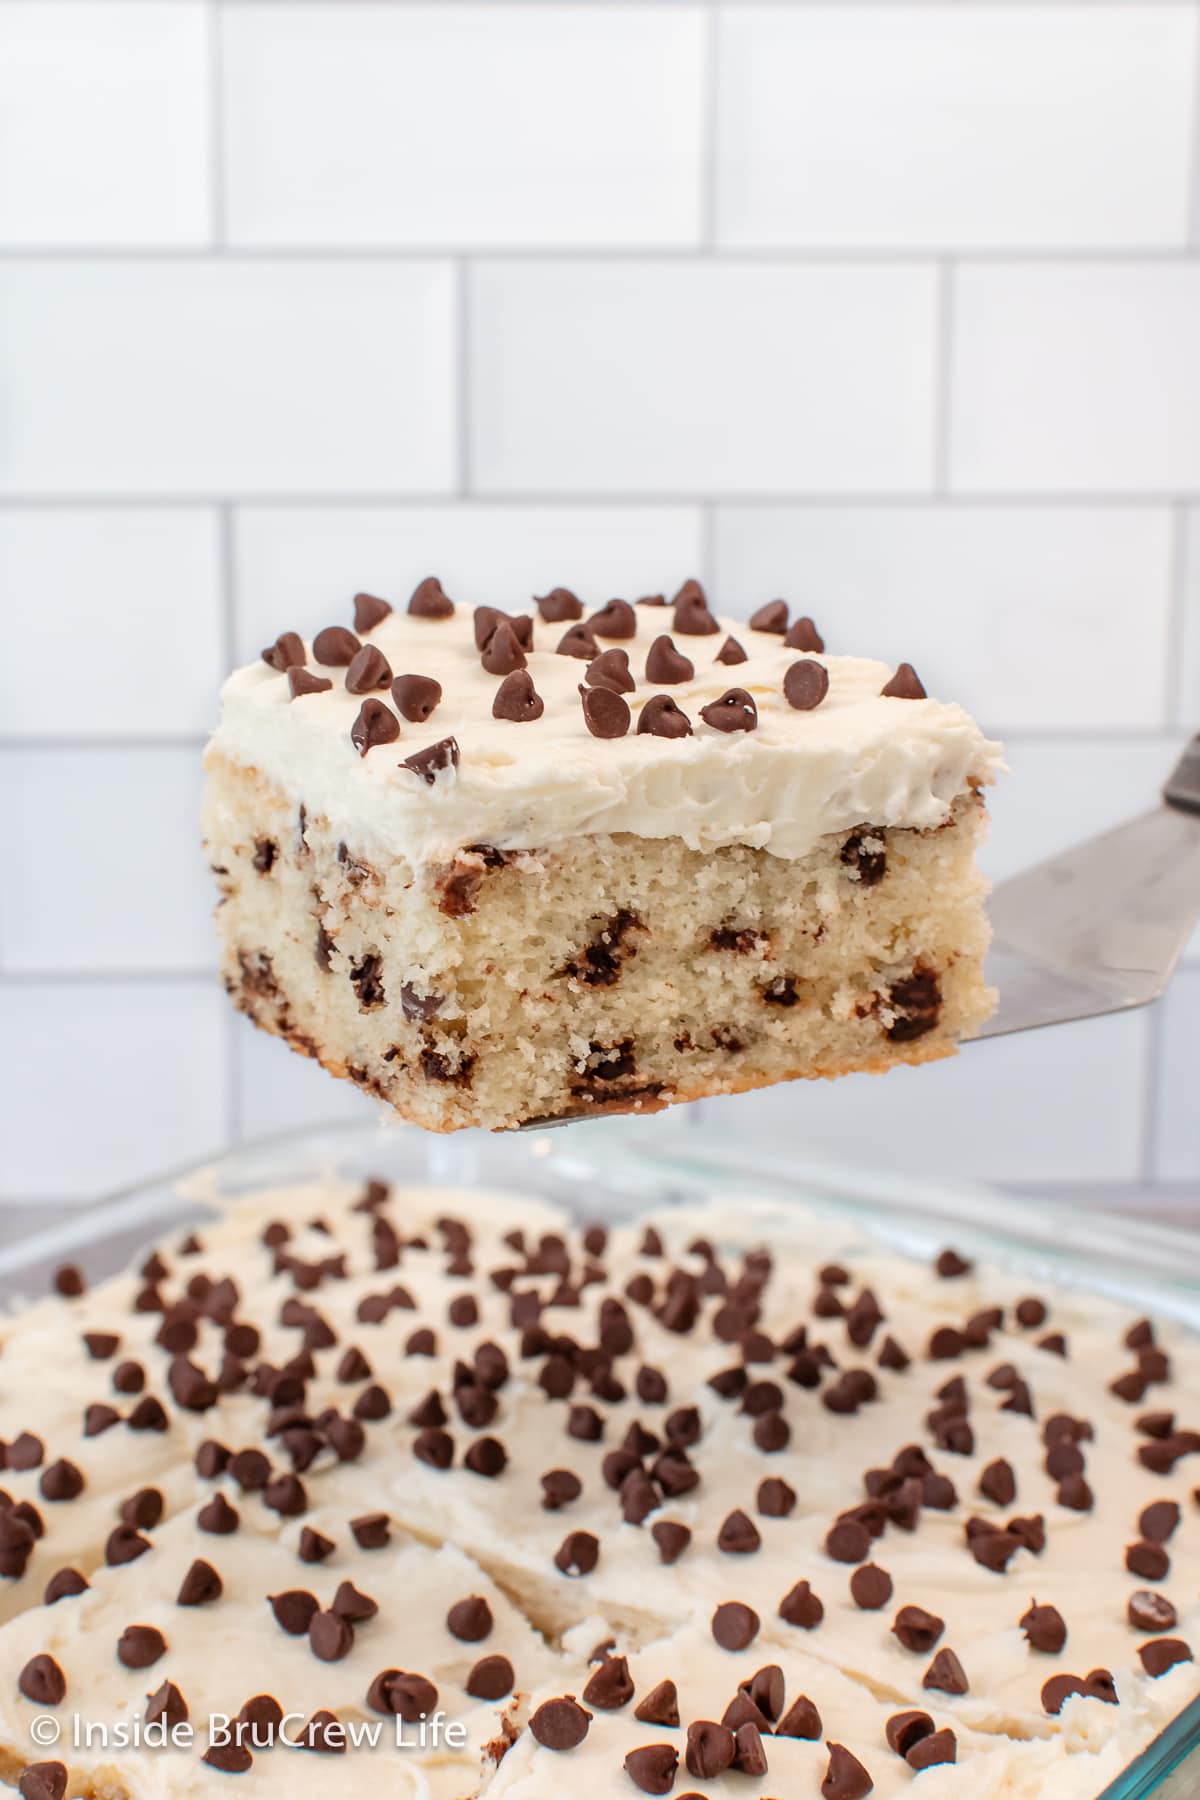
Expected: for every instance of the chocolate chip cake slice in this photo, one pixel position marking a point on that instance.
(501, 868)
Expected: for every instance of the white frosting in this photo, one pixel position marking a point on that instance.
(857, 758)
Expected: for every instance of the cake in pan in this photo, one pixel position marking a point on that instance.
(504, 868)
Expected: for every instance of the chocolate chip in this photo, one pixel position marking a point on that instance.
(560, 1724)
(559, 1488)
(939, 1747)
(664, 664)
(917, 1629)
(61, 1480)
(375, 724)
(369, 611)
(1148, 1560)
(905, 684)
(660, 717)
(101, 1344)
(330, 1637)
(430, 762)
(692, 617)
(487, 1457)
(847, 1541)
(124, 1545)
(605, 713)
(166, 1704)
(300, 682)
(65, 1583)
(735, 1625)
(660, 1707)
(517, 699)
(616, 620)
(578, 641)
(369, 670)
(1058, 1690)
(231, 1758)
(775, 1499)
(503, 653)
(43, 1781)
(801, 1607)
(69, 1281)
(578, 1553)
(1156, 1522)
(287, 652)
(429, 600)
(652, 1768)
(335, 647)
(1148, 1611)
(491, 1678)
(738, 1535)
(671, 1539)
(772, 617)
(805, 685)
(294, 1610)
(559, 604)
(946, 1674)
(200, 1585)
(611, 670)
(42, 1681)
(1045, 1629)
(710, 1749)
(845, 1777)
(803, 635)
(998, 1482)
(801, 1720)
(734, 711)
(610, 1687)
(470, 1620)
(140, 1645)
(1161, 1654)
(904, 1729)
(351, 1604)
(870, 1587)
(730, 653)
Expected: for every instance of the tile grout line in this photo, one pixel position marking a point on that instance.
(961, 499)
(216, 127)
(768, 255)
(944, 358)
(709, 124)
(1192, 222)
(463, 375)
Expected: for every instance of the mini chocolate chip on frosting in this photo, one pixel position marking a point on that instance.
(734, 711)
(606, 714)
(416, 696)
(805, 685)
(801, 1720)
(611, 1686)
(376, 724)
(287, 652)
(803, 635)
(801, 1607)
(491, 1678)
(946, 1673)
(140, 1645)
(611, 670)
(904, 1729)
(692, 617)
(559, 604)
(845, 1777)
(560, 1724)
(578, 641)
(470, 1620)
(660, 1706)
(653, 1767)
(368, 670)
(301, 682)
(1161, 1654)
(771, 617)
(578, 1553)
(735, 1625)
(738, 1535)
(904, 685)
(517, 699)
(200, 1585)
(870, 1587)
(430, 762)
(369, 611)
(1045, 1629)
(665, 665)
(166, 1704)
(43, 1781)
(42, 1681)
(710, 1749)
(939, 1747)
(1148, 1611)
(662, 717)
(917, 1629)
(616, 620)
(335, 647)
(503, 653)
(671, 1539)
(430, 601)
(731, 652)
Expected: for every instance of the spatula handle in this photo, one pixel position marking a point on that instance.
(1183, 787)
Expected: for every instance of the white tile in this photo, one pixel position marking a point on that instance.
(1076, 378)
(1057, 1105)
(1189, 684)
(665, 377)
(896, 126)
(1059, 792)
(100, 861)
(123, 607)
(105, 133)
(279, 1090)
(104, 1084)
(463, 124)
(297, 568)
(1021, 613)
(231, 376)
(1178, 1118)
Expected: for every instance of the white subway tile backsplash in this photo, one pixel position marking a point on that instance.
(897, 126)
(105, 122)
(95, 593)
(1059, 791)
(1189, 646)
(100, 862)
(190, 376)
(1058, 1105)
(279, 1090)
(297, 568)
(670, 377)
(104, 1084)
(483, 125)
(1069, 378)
(1178, 1120)
(1020, 613)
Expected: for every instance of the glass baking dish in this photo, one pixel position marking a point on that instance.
(612, 1168)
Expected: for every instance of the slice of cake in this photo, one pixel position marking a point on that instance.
(505, 868)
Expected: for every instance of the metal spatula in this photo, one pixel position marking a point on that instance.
(1100, 928)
